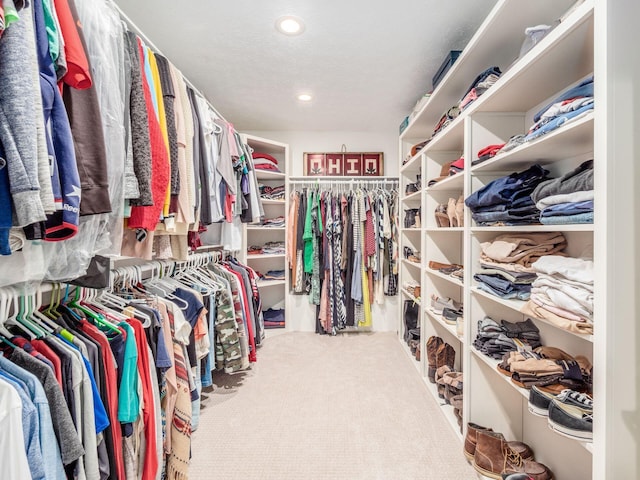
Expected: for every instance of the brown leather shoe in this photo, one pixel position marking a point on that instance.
(471, 439)
(433, 343)
(493, 457)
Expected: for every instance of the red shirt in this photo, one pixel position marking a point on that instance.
(78, 72)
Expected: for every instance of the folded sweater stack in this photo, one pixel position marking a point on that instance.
(568, 199)
(563, 293)
(506, 262)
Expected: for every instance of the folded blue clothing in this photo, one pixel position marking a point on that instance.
(271, 315)
(567, 219)
(558, 122)
(507, 296)
(501, 284)
(583, 89)
(572, 208)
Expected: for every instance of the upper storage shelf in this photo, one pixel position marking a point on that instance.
(497, 43)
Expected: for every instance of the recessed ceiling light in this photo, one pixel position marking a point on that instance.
(304, 97)
(290, 25)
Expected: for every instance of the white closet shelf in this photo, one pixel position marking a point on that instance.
(267, 201)
(493, 44)
(269, 175)
(261, 227)
(493, 364)
(569, 141)
(414, 197)
(516, 305)
(270, 283)
(576, 227)
(447, 410)
(454, 182)
(444, 229)
(411, 297)
(569, 44)
(410, 230)
(413, 165)
(449, 328)
(264, 256)
(448, 139)
(411, 264)
(447, 278)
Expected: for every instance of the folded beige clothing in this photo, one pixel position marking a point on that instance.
(536, 311)
(524, 248)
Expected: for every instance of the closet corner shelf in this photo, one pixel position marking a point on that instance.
(449, 328)
(415, 196)
(269, 175)
(263, 228)
(268, 201)
(269, 283)
(444, 229)
(411, 297)
(411, 264)
(412, 165)
(454, 182)
(516, 305)
(572, 140)
(445, 277)
(264, 255)
(575, 227)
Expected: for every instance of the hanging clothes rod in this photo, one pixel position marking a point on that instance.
(132, 26)
(344, 181)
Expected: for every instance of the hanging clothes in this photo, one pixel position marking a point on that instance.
(343, 252)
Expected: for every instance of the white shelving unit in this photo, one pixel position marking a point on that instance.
(564, 57)
(272, 292)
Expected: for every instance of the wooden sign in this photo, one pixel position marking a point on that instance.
(344, 164)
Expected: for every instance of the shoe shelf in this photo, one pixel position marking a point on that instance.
(411, 297)
(574, 139)
(493, 364)
(445, 277)
(409, 263)
(572, 227)
(414, 197)
(516, 305)
(449, 328)
(447, 410)
(454, 182)
(413, 164)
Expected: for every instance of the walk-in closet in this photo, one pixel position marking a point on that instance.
(319, 240)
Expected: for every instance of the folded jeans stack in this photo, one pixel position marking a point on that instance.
(563, 293)
(568, 199)
(506, 262)
(273, 248)
(571, 105)
(507, 200)
(273, 318)
(495, 340)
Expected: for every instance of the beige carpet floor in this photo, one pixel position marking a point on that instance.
(316, 407)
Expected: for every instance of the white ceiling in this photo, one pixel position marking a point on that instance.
(365, 62)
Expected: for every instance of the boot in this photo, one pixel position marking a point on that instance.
(493, 457)
(470, 443)
(445, 355)
(432, 348)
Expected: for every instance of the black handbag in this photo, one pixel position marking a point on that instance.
(410, 316)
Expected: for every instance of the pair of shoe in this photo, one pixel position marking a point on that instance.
(439, 354)
(411, 255)
(438, 304)
(494, 457)
(451, 316)
(569, 413)
(450, 214)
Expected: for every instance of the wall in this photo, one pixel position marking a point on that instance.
(300, 314)
(301, 142)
